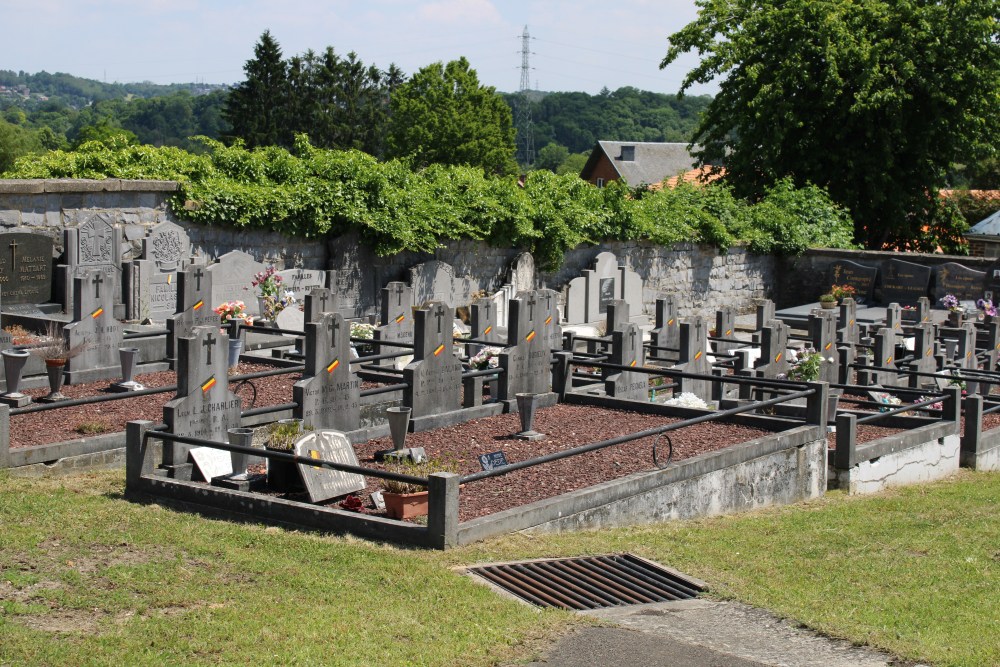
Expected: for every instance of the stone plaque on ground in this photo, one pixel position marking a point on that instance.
(532, 325)
(905, 282)
(961, 281)
(96, 244)
(627, 350)
(95, 323)
(434, 377)
(860, 277)
(25, 268)
(232, 280)
(329, 395)
(194, 308)
(325, 483)
(204, 407)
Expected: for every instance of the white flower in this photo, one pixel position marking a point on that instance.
(687, 400)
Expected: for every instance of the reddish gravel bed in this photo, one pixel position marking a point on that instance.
(59, 425)
(566, 426)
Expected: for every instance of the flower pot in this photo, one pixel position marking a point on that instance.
(54, 368)
(242, 437)
(235, 350)
(127, 356)
(955, 318)
(13, 366)
(828, 305)
(405, 505)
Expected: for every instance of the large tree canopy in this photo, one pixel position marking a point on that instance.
(443, 115)
(871, 99)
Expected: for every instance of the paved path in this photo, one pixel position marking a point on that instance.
(703, 633)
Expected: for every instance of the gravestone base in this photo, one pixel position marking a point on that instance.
(95, 374)
(529, 435)
(15, 401)
(240, 482)
(546, 400)
(441, 420)
(181, 471)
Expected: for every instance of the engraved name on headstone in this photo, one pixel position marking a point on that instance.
(96, 244)
(532, 326)
(860, 277)
(25, 268)
(326, 483)
(232, 278)
(959, 280)
(194, 306)
(627, 350)
(905, 282)
(153, 277)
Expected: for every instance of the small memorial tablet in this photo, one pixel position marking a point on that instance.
(212, 462)
(325, 483)
(493, 460)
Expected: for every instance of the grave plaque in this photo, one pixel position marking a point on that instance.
(329, 395)
(493, 460)
(204, 407)
(325, 483)
(533, 325)
(607, 294)
(232, 277)
(904, 282)
(96, 244)
(961, 281)
(301, 281)
(25, 268)
(627, 350)
(860, 277)
(95, 323)
(434, 377)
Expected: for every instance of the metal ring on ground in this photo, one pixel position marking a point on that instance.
(670, 451)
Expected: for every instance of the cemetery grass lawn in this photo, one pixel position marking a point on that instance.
(89, 578)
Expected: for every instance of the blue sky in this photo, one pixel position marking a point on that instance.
(578, 45)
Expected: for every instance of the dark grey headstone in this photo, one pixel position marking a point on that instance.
(532, 326)
(667, 332)
(434, 377)
(924, 360)
(617, 315)
(204, 407)
(693, 358)
(484, 321)
(773, 359)
(232, 279)
(319, 300)
(885, 357)
(194, 306)
(396, 317)
(627, 350)
(860, 277)
(324, 483)
(25, 268)
(329, 395)
(904, 282)
(165, 251)
(823, 333)
(961, 281)
(725, 327)
(94, 322)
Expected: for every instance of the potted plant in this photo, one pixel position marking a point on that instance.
(268, 285)
(404, 500)
(828, 301)
(55, 350)
(281, 437)
(955, 311)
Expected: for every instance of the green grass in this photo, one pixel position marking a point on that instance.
(915, 572)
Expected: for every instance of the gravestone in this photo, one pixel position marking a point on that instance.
(924, 360)
(484, 322)
(894, 318)
(725, 327)
(329, 395)
(194, 309)
(94, 245)
(317, 301)
(616, 316)
(693, 358)
(587, 296)
(434, 377)
(152, 279)
(848, 330)
(965, 355)
(765, 313)
(232, 279)
(396, 318)
(773, 359)
(885, 358)
(204, 407)
(95, 323)
(25, 271)
(533, 324)
(325, 483)
(667, 332)
(860, 277)
(627, 350)
(434, 281)
(959, 280)
(823, 334)
(905, 282)
(300, 281)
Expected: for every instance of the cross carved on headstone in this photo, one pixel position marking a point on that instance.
(97, 281)
(439, 313)
(631, 336)
(197, 277)
(333, 326)
(399, 295)
(531, 307)
(323, 298)
(486, 306)
(208, 344)
(13, 253)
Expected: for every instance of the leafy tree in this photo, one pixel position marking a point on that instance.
(573, 164)
(443, 115)
(550, 156)
(871, 99)
(256, 107)
(16, 141)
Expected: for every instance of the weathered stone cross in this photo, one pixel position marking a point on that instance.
(333, 326)
(209, 343)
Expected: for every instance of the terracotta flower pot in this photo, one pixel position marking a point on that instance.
(405, 505)
(829, 305)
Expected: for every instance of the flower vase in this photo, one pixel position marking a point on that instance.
(13, 366)
(955, 318)
(54, 368)
(527, 404)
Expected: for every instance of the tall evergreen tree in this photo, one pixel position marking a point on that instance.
(257, 108)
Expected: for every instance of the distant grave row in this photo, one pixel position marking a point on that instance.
(905, 282)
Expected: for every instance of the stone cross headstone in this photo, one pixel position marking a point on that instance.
(329, 394)
(924, 359)
(773, 359)
(319, 300)
(860, 277)
(847, 322)
(667, 332)
(232, 279)
(823, 334)
(627, 350)
(617, 315)
(434, 377)
(533, 325)
(991, 342)
(25, 270)
(959, 280)
(95, 323)
(204, 407)
(325, 483)
(725, 327)
(693, 358)
(894, 318)
(396, 318)
(194, 306)
(152, 279)
(885, 357)
(484, 322)
(905, 282)
(965, 356)
(94, 245)
(765, 313)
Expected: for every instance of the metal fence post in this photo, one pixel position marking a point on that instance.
(442, 509)
(562, 378)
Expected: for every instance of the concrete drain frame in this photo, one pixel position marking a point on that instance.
(588, 582)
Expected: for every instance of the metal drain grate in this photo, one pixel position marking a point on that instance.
(590, 583)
